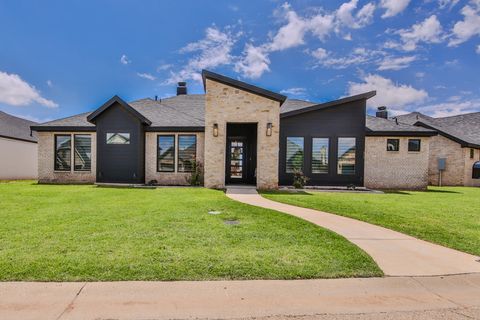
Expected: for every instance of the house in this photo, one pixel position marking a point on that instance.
(455, 152)
(240, 134)
(18, 148)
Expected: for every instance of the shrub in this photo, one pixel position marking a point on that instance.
(196, 177)
(299, 179)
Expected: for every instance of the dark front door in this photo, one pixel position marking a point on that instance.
(240, 166)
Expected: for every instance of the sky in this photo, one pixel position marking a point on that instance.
(60, 58)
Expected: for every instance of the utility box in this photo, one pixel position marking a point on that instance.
(442, 164)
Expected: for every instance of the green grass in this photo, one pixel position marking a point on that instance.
(447, 216)
(76, 233)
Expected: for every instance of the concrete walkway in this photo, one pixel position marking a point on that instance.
(395, 253)
(451, 297)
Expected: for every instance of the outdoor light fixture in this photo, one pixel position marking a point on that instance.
(215, 129)
(269, 129)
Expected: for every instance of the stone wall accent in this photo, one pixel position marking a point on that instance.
(395, 169)
(46, 163)
(441, 147)
(224, 104)
(169, 178)
(467, 180)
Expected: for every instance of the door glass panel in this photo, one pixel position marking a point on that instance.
(236, 157)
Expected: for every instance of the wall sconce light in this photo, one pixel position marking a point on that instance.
(269, 129)
(215, 129)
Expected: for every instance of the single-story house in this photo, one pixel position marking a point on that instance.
(18, 148)
(239, 134)
(455, 152)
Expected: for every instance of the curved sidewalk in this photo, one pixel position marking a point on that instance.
(395, 253)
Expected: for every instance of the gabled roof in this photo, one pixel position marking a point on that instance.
(242, 85)
(464, 128)
(116, 99)
(16, 128)
(376, 126)
(314, 107)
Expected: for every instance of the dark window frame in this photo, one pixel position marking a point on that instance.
(178, 151)
(286, 154)
(55, 153)
(398, 144)
(476, 170)
(174, 152)
(419, 145)
(74, 164)
(355, 170)
(472, 153)
(328, 156)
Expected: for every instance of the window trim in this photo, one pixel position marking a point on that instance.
(178, 151)
(355, 171)
(174, 153)
(55, 152)
(398, 145)
(73, 154)
(286, 153)
(328, 156)
(472, 153)
(117, 144)
(419, 145)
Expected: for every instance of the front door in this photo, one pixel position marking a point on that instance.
(236, 160)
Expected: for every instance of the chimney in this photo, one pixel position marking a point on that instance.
(182, 88)
(382, 112)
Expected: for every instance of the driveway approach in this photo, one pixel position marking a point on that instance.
(395, 253)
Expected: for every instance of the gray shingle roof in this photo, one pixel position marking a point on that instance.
(464, 127)
(16, 128)
(375, 125)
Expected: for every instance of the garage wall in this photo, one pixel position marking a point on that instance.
(18, 159)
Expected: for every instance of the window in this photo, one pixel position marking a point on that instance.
(346, 156)
(476, 170)
(393, 144)
(166, 153)
(187, 152)
(63, 152)
(82, 159)
(414, 145)
(320, 155)
(294, 154)
(118, 138)
(472, 153)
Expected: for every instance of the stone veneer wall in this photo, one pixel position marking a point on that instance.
(468, 181)
(46, 164)
(395, 169)
(169, 178)
(441, 147)
(225, 104)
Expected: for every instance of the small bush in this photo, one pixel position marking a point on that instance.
(196, 177)
(299, 179)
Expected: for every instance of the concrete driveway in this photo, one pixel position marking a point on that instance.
(395, 253)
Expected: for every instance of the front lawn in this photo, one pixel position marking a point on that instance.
(77, 233)
(447, 216)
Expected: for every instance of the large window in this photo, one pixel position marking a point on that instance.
(414, 145)
(346, 156)
(295, 154)
(166, 153)
(187, 152)
(118, 138)
(63, 152)
(393, 144)
(83, 152)
(320, 155)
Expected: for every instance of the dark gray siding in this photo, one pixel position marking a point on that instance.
(120, 163)
(345, 120)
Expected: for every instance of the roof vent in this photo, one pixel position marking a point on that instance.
(382, 112)
(182, 88)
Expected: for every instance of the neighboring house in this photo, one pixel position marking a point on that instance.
(18, 148)
(457, 146)
(240, 134)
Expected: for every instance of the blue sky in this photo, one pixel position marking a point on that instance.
(59, 58)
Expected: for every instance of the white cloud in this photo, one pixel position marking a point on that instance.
(49, 83)
(396, 63)
(291, 34)
(254, 62)
(294, 91)
(124, 59)
(363, 17)
(319, 53)
(469, 26)
(393, 7)
(447, 109)
(147, 76)
(357, 56)
(16, 92)
(478, 49)
(420, 75)
(447, 3)
(212, 51)
(321, 25)
(396, 96)
(428, 31)
(164, 67)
